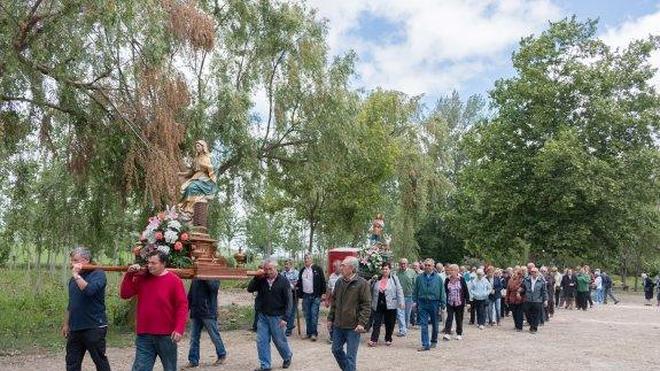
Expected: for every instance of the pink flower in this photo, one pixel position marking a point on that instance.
(184, 236)
(159, 236)
(178, 246)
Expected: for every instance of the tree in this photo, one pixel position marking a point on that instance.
(553, 169)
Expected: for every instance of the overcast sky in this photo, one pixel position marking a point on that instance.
(433, 46)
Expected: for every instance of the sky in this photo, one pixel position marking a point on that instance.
(432, 47)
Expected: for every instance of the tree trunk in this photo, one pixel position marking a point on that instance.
(624, 277)
(312, 227)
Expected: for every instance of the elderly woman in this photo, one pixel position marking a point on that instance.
(386, 297)
(515, 299)
(457, 297)
(200, 185)
(479, 289)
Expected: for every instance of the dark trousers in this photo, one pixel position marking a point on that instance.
(517, 312)
(148, 347)
(591, 302)
(480, 307)
(472, 304)
(454, 313)
(581, 299)
(557, 294)
(551, 305)
(389, 317)
(534, 313)
(90, 340)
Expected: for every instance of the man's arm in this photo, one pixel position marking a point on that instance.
(181, 305)
(96, 283)
(129, 287)
(65, 324)
(364, 306)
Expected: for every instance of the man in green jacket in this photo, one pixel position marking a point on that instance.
(583, 282)
(407, 278)
(349, 314)
(429, 297)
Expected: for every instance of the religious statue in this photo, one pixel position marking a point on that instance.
(375, 250)
(200, 184)
(377, 237)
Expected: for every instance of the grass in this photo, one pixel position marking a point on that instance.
(30, 319)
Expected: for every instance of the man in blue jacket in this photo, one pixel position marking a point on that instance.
(85, 322)
(203, 306)
(429, 297)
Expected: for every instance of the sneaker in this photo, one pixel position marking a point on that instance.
(313, 337)
(481, 327)
(286, 363)
(371, 343)
(400, 334)
(616, 302)
(189, 365)
(423, 349)
(458, 337)
(388, 343)
(447, 337)
(305, 337)
(434, 345)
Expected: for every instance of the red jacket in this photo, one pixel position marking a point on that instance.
(162, 306)
(512, 289)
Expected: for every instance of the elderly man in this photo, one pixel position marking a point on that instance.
(407, 278)
(291, 275)
(311, 288)
(536, 297)
(274, 293)
(349, 314)
(429, 296)
(162, 311)
(85, 322)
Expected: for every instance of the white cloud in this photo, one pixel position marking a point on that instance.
(639, 28)
(443, 43)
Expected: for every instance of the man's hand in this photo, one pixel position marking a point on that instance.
(176, 336)
(282, 323)
(260, 273)
(75, 269)
(135, 268)
(359, 329)
(65, 330)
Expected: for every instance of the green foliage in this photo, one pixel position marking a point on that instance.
(553, 168)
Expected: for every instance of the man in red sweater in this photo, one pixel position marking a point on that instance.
(162, 310)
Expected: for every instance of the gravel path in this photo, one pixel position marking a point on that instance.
(621, 337)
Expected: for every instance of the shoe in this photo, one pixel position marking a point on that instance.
(400, 335)
(458, 337)
(371, 343)
(286, 363)
(288, 333)
(423, 349)
(305, 337)
(262, 369)
(189, 365)
(219, 361)
(447, 337)
(388, 343)
(616, 302)
(434, 345)
(313, 337)
(481, 327)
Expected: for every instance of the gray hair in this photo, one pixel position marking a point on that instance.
(271, 261)
(352, 262)
(81, 251)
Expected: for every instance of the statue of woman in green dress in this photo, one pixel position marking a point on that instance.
(200, 184)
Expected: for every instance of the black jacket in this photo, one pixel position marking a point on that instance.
(274, 300)
(319, 281)
(203, 298)
(464, 290)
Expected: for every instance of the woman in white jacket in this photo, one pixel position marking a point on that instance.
(386, 297)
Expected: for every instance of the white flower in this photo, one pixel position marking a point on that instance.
(171, 236)
(174, 224)
(164, 249)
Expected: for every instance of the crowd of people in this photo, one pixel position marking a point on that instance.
(423, 294)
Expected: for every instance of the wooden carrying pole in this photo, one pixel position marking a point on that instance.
(217, 273)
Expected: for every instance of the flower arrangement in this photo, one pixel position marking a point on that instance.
(169, 233)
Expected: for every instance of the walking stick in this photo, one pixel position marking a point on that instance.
(295, 302)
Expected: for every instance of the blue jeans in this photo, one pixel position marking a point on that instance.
(311, 305)
(494, 310)
(403, 316)
(291, 316)
(599, 296)
(211, 325)
(147, 347)
(269, 327)
(428, 309)
(346, 360)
